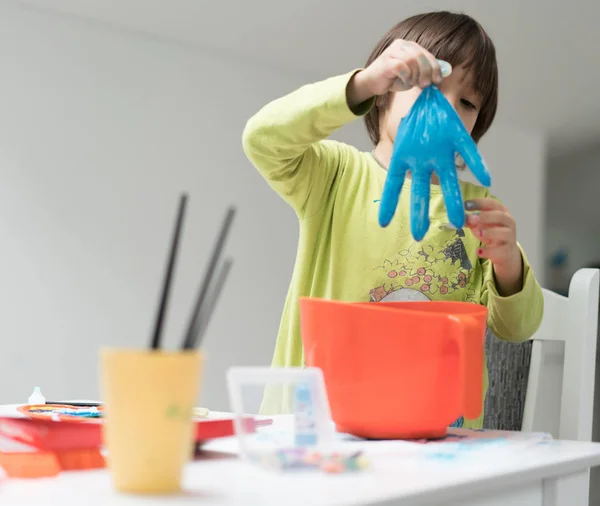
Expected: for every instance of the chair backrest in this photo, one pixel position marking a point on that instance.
(560, 390)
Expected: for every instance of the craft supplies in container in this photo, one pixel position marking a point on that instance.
(301, 458)
(306, 426)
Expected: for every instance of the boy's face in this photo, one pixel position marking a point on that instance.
(458, 90)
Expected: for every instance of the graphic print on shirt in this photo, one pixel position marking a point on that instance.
(425, 271)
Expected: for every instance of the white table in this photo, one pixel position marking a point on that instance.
(553, 474)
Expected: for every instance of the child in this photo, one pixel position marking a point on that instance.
(334, 188)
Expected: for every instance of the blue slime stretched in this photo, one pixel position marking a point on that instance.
(427, 141)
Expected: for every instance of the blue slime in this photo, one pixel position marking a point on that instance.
(427, 140)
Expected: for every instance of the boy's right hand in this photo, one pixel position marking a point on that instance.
(400, 67)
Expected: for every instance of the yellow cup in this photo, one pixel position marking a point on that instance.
(148, 428)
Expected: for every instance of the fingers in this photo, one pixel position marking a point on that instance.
(419, 204)
(436, 70)
(467, 148)
(391, 190)
(496, 254)
(413, 56)
(484, 204)
(494, 227)
(495, 236)
(404, 80)
(493, 218)
(414, 66)
(452, 195)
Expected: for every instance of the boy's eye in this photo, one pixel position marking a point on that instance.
(468, 104)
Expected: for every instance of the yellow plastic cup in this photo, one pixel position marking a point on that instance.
(148, 430)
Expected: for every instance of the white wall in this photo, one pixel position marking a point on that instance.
(99, 131)
(573, 213)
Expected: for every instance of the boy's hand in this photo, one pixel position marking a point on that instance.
(400, 67)
(493, 225)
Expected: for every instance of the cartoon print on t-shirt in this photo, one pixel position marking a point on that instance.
(422, 272)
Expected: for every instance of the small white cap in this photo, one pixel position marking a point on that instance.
(36, 397)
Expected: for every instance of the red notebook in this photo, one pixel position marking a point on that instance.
(48, 435)
(38, 447)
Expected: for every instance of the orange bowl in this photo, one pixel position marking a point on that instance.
(397, 370)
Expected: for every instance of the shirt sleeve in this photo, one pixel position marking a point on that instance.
(285, 141)
(517, 317)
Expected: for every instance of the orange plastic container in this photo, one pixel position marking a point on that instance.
(397, 370)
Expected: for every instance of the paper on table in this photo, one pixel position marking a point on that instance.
(459, 444)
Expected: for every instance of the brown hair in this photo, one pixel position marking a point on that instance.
(457, 39)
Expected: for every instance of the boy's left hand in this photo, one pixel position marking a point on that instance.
(494, 226)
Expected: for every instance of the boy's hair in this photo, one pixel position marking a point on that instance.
(457, 39)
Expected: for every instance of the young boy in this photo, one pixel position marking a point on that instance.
(334, 188)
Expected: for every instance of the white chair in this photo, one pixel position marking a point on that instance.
(560, 389)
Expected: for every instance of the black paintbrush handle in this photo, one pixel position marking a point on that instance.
(213, 298)
(195, 323)
(164, 299)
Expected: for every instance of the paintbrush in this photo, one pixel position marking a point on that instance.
(212, 298)
(200, 314)
(164, 298)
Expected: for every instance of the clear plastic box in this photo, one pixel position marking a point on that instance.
(290, 409)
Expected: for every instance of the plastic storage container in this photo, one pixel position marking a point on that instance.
(303, 423)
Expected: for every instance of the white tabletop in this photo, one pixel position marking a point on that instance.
(405, 472)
